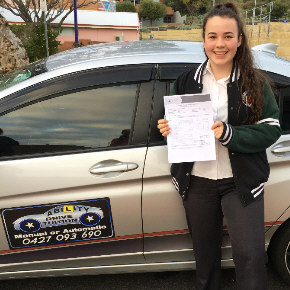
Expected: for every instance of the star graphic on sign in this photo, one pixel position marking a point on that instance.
(30, 225)
(90, 218)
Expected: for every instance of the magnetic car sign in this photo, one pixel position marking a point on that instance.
(58, 223)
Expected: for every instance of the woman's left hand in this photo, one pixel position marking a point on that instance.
(218, 128)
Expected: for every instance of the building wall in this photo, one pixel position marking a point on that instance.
(108, 35)
(95, 35)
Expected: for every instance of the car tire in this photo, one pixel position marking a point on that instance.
(279, 252)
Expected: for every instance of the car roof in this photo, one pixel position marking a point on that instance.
(158, 51)
(139, 52)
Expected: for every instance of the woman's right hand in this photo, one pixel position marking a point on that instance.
(163, 127)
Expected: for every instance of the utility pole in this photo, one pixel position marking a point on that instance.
(76, 23)
(43, 8)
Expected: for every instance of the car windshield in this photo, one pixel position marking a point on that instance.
(24, 73)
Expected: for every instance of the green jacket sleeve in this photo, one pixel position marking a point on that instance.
(256, 137)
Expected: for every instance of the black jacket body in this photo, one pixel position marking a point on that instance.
(246, 144)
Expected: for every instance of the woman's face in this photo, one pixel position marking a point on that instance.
(221, 41)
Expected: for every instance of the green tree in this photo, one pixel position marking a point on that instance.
(33, 38)
(195, 7)
(279, 8)
(125, 6)
(150, 10)
(249, 4)
(177, 5)
(30, 12)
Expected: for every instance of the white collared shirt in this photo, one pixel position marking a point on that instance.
(221, 167)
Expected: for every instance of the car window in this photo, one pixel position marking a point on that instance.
(167, 74)
(162, 88)
(96, 118)
(284, 104)
(282, 94)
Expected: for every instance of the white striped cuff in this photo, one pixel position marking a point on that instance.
(227, 135)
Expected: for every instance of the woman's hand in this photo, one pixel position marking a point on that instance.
(218, 128)
(163, 127)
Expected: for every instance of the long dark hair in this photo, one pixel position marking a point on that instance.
(252, 80)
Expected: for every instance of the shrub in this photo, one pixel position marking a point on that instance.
(33, 38)
(150, 10)
(125, 6)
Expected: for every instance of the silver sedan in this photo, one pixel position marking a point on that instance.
(79, 130)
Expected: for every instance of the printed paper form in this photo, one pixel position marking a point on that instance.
(190, 118)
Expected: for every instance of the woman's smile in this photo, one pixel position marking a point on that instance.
(220, 52)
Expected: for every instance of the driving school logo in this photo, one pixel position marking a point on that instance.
(58, 223)
(60, 215)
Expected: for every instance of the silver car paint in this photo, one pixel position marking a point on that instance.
(137, 52)
(67, 177)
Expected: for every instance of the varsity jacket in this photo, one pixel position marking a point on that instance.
(246, 143)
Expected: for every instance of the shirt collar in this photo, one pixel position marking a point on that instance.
(207, 70)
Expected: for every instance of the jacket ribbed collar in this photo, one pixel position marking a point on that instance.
(235, 73)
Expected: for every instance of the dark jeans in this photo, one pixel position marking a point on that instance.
(207, 203)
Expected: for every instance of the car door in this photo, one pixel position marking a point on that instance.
(71, 165)
(277, 198)
(166, 236)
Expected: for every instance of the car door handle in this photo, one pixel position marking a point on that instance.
(281, 148)
(112, 166)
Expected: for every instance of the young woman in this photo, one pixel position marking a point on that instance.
(246, 122)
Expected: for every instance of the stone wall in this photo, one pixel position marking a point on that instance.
(12, 52)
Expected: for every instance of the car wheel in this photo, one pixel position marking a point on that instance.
(30, 225)
(90, 219)
(279, 253)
